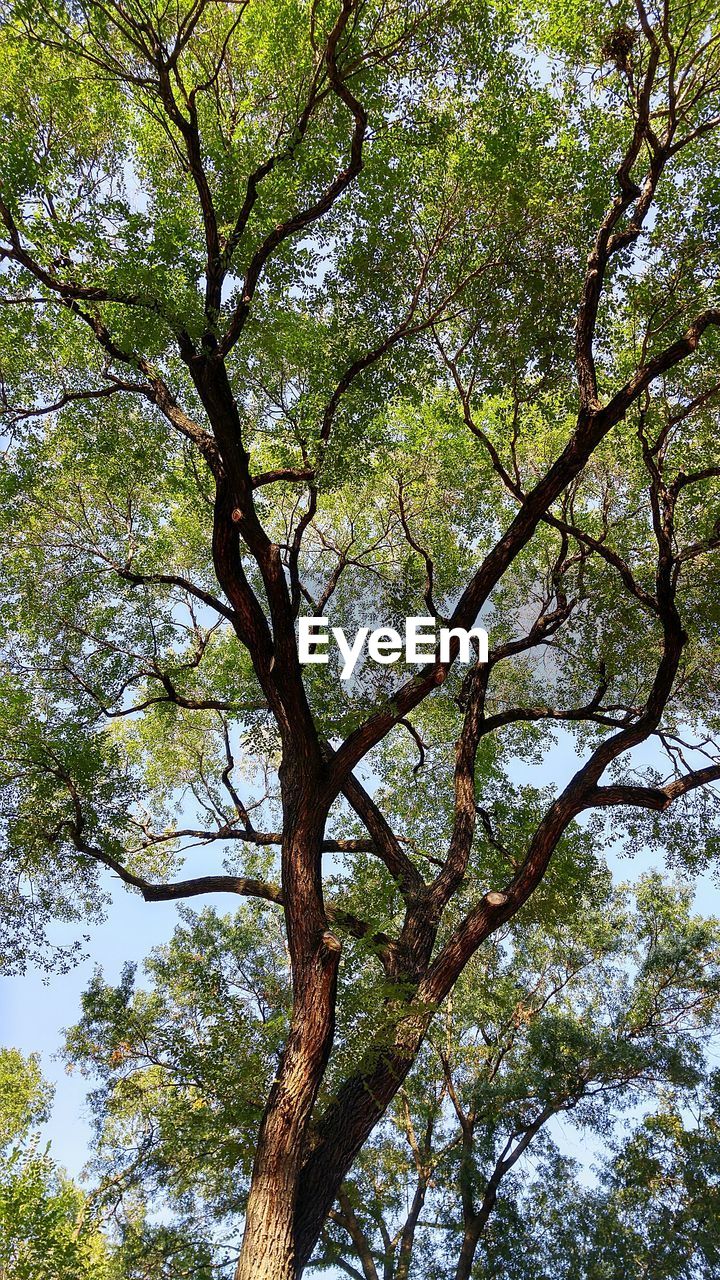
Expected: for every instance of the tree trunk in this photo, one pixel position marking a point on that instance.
(269, 1247)
(466, 1257)
(348, 1122)
(268, 1251)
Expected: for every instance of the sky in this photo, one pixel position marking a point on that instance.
(36, 1007)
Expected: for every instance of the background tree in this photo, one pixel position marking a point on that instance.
(47, 1226)
(610, 1010)
(182, 1071)
(308, 305)
(653, 1214)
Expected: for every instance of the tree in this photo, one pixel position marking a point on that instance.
(345, 308)
(183, 1070)
(652, 1215)
(663, 1192)
(610, 1010)
(47, 1226)
(611, 1013)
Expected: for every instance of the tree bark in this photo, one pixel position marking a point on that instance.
(347, 1123)
(269, 1247)
(466, 1257)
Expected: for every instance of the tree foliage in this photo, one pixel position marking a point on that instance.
(612, 1012)
(373, 311)
(48, 1227)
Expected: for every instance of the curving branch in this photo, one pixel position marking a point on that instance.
(244, 886)
(305, 218)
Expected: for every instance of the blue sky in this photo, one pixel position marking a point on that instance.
(35, 1008)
